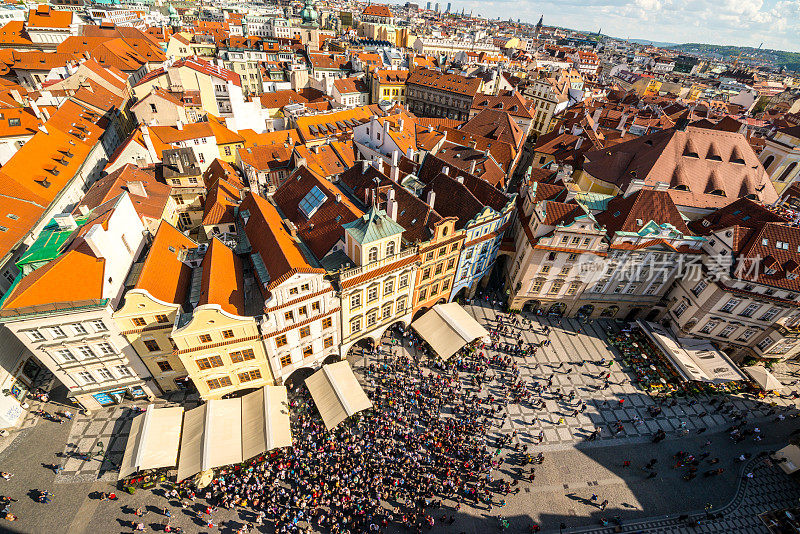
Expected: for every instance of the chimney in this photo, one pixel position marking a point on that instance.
(83, 209)
(391, 205)
(35, 108)
(622, 121)
(446, 170)
(65, 221)
(472, 166)
(633, 187)
(400, 124)
(373, 123)
(338, 197)
(431, 198)
(386, 128)
(364, 166)
(597, 113)
(301, 162)
(460, 179)
(473, 144)
(148, 144)
(137, 188)
(179, 124)
(578, 143)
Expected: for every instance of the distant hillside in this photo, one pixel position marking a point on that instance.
(659, 44)
(776, 58)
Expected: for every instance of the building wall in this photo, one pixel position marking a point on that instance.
(438, 266)
(301, 324)
(209, 343)
(159, 320)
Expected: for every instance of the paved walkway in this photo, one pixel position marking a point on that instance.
(573, 341)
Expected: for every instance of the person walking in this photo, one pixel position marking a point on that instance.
(603, 504)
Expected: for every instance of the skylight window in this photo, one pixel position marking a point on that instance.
(312, 201)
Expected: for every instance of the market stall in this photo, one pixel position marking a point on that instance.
(788, 458)
(153, 440)
(765, 380)
(337, 393)
(230, 431)
(447, 328)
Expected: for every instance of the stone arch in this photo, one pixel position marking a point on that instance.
(298, 377)
(611, 311)
(586, 310)
(532, 306)
(557, 308)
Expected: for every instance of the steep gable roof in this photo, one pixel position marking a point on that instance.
(222, 281)
(163, 274)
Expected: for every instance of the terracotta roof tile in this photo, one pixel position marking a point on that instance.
(222, 280)
(163, 274)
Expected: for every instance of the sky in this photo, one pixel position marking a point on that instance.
(776, 23)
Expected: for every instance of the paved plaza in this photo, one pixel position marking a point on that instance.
(573, 470)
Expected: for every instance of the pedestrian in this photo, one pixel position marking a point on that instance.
(603, 504)
(621, 402)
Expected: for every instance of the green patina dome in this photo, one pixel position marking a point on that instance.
(309, 14)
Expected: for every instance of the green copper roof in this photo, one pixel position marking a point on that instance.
(372, 226)
(48, 245)
(593, 201)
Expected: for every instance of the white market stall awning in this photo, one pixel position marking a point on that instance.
(791, 453)
(153, 440)
(694, 359)
(230, 431)
(763, 378)
(447, 328)
(337, 393)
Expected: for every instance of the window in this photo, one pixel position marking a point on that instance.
(216, 383)
(537, 285)
(280, 341)
(387, 310)
(151, 345)
(426, 273)
(205, 338)
(556, 287)
(564, 240)
(227, 334)
(286, 361)
(764, 343)
(573, 288)
(163, 365)
(403, 281)
(388, 287)
(770, 315)
(445, 285)
(423, 294)
(545, 269)
(327, 322)
(66, 355)
(709, 327)
(139, 321)
(565, 269)
(161, 318)
(288, 316)
(57, 332)
(293, 291)
(679, 309)
(35, 335)
(355, 325)
(468, 255)
(450, 264)
(249, 376)
(730, 305)
(401, 305)
(699, 287)
(308, 351)
(106, 348)
(328, 343)
(87, 377)
(209, 362)
(242, 355)
(153, 108)
(305, 331)
(372, 255)
(453, 247)
(124, 371)
(727, 331)
(315, 306)
(305, 287)
(390, 248)
(105, 374)
(747, 334)
(99, 326)
(201, 157)
(79, 329)
(302, 311)
(355, 301)
(227, 150)
(372, 294)
(750, 310)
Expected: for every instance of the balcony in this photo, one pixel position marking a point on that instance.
(364, 269)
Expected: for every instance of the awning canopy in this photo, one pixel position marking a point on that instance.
(10, 411)
(153, 440)
(230, 431)
(337, 393)
(447, 328)
(763, 378)
(792, 455)
(694, 359)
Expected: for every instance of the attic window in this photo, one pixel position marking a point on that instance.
(649, 142)
(3, 229)
(718, 192)
(746, 217)
(171, 248)
(765, 242)
(616, 214)
(681, 187)
(12, 216)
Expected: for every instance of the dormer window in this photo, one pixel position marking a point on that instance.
(373, 254)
